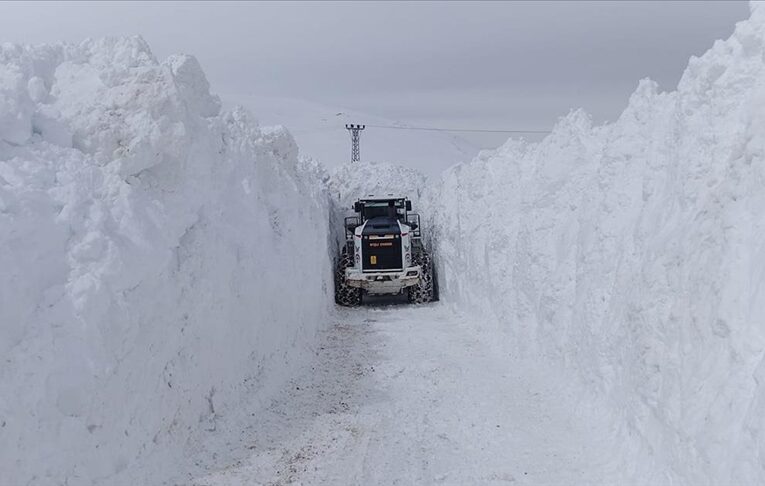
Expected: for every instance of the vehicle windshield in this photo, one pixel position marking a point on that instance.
(386, 209)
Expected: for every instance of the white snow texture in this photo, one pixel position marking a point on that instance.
(149, 250)
(633, 255)
(151, 247)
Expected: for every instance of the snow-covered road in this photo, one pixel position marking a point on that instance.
(411, 395)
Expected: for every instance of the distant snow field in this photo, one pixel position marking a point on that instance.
(320, 133)
(166, 312)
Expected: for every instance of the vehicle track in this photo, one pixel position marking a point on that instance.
(413, 395)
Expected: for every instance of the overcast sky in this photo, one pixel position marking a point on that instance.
(516, 65)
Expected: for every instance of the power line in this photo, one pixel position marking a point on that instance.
(435, 129)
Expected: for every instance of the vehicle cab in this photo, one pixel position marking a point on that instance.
(382, 237)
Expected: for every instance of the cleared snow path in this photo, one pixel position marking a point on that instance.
(411, 395)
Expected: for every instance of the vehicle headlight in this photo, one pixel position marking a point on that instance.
(408, 259)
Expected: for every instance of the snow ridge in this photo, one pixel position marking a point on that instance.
(631, 254)
(149, 243)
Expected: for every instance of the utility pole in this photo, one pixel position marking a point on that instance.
(355, 151)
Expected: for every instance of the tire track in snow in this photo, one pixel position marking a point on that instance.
(411, 395)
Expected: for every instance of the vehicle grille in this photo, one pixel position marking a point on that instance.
(381, 252)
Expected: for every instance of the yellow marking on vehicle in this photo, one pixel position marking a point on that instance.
(373, 259)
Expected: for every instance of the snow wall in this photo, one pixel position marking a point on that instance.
(150, 246)
(633, 255)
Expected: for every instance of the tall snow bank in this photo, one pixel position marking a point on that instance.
(149, 248)
(633, 255)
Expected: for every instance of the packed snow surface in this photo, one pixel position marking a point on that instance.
(419, 395)
(149, 248)
(632, 255)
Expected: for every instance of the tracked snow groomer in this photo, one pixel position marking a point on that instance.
(383, 253)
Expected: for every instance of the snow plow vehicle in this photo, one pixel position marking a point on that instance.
(383, 253)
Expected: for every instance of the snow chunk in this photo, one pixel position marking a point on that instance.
(193, 86)
(16, 108)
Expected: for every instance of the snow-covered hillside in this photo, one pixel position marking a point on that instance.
(632, 255)
(320, 133)
(149, 244)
